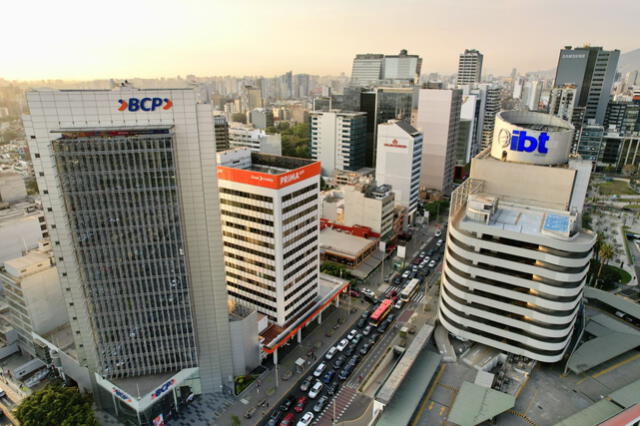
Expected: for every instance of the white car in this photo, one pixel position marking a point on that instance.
(369, 292)
(320, 369)
(438, 233)
(352, 334)
(316, 389)
(331, 352)
(398, 304)
(432, 264)
(306, 419)
(439, 243)
(343, 344)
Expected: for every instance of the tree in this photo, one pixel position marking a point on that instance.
(235, 420)
(606, 253)
(56, 405)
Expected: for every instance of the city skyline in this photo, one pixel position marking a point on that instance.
(202, 39)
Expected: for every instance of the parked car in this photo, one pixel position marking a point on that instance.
(302, 401)
(306, 419)
(383, 326)
(350, 349)
(390, 318)
(357, 339)
(374, 336)
(438, 233)
(250, 412)
(365, 348)
(432, 264)
(287, 403)
(328, 376)
(439, 242)
(368, 292)
(397, 281)
(275, 418)
(319, 369)
(306, 384)
(316, 389)
(352, 334)
(331, 352)
(394, 293)
(367, 330)
(332, 389)
(345, 372)
(288, 420)
(343, 344)
(339, 361)
(319, 405)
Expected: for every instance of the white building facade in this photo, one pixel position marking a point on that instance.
(270, 226)
(398, 161)
(516, 258)
(338, 140)
(257, 140)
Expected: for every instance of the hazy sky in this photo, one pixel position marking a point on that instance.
(80, 39)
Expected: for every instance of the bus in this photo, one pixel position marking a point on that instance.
(381, 313)
(410, 290)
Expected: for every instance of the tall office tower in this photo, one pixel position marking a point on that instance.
(531, 94)
(398, 162)
(338, 140)
(490, 97)
(518, 86)
(592, 70)
(270, 226)
(624, 116)
(367, 69)
(251, 98)
(301, 84)
(381, 105)
(401, 68)
(562, 102)
(131, 198)
(469, 67)
(261, 118)
(438, 118)
(257, 140)
(516, 258)
(467, 145)
(286, 85)
(221, 127)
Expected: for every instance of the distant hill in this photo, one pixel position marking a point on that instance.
(629, 61)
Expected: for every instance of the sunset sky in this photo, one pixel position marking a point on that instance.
(73, 39)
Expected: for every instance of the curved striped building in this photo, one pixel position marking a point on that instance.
(516, 258)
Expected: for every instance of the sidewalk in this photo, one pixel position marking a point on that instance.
(272, 395)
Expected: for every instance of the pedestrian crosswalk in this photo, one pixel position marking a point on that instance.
(339, 405)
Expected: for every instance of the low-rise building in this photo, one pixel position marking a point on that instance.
(370, 206)
(345, 248)
(257, 140)
(22, 226)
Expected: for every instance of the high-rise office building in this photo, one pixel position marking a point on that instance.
(402, 68)
(338, 140)
(301, 84)
(367, 69)
(531, 92)
(128, 183)
(590, 142)
(398, 162)
(467, 145)
(438, 118)
(623, 116)
(257, 140)
(592, 70)
(516, 258)
(270, 225)
(251, 98)
(562, 102)
(221, 127)
(490, 97)
(469, 67)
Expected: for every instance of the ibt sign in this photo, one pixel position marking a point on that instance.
(144, 104)
(521, 142)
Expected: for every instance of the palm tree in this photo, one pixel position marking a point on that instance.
(606, 254)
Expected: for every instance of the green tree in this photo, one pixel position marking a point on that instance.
(605, 253)
(56, 405)
(235, 420)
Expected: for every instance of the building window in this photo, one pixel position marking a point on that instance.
(41, 173)
(36, 155)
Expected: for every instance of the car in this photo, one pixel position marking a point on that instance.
(316, 389)
(357, 339)
(332, 389)
(423, 253)
(391, 317)
(354, 360)
(319, 369)
(302, 401)
(383, 326)
(426, 259)
(354, 293)
(331, 353)
(416, 261)
(306, 419)
(345, 372)
(343, 344)
(406, 274)
(288, 420)
(306, 384)
(414, 268)
(275, 418)
(367, 330)
(250, 412)
(339, 361)
(438, 233)
(394, 298)
(319, 405)
(369, 292)
(352, 334)
(361, 322)
(287, 403)
(328, 376)
(365, 348)
(394, 293)
(397, 281)
(398, 304)
(432, 264)
(439, 243)
(350, 349)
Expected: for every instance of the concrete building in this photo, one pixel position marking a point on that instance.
(562, 102)
(143, 280)
(32, 290)
(516, 258)
(338, 140)
(402, 68)
(531, 94)
(257, 140)
(22, 226)
(592, 70)
(12, 187)
(243, 323)
(490, 97)
(221, 128)
(269, 209)
(438, 118)
(367, 69)
(399, 158)
(469, 67)
(251, 98)
(371, 206)
(261, 118)
(623, 116)
(468, 144)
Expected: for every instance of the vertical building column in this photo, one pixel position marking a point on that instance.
(300, 335)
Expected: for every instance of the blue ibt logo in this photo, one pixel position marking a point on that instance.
(523, 143)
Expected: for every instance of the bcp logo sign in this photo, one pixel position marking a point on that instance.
(518, 140)
(162, 389)
(123, 396)
(144, 104)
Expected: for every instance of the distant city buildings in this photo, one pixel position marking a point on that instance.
(338, 140)
(372, 69)
(261, 118)
(398, 162)
(269, 215)
(438, 118)
(562, 102)
(221, 128)
(531, 92)
(469, 67)
(257, 140)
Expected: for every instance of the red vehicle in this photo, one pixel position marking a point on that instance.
(416, 261)
(354, 293)
(288, 420)
(381, 312)
(302, 401)
(394, 293)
